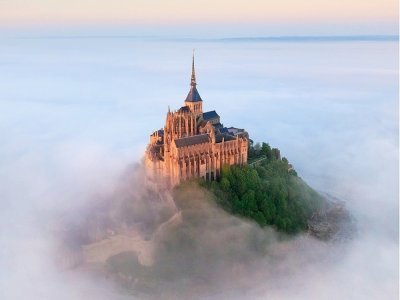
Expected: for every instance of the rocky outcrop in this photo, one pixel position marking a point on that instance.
(333, 222)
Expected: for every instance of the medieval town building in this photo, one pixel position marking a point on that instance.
(194, 143)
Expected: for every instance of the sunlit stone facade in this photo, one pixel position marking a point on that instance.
(194, 143)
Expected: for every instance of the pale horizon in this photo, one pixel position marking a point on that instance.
(204, 18)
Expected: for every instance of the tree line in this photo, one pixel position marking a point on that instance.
(270, 192)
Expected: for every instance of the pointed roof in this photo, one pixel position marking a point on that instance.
(193, 95)
(210, 115)
(193, 78)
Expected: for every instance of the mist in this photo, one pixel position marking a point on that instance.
(76, 115)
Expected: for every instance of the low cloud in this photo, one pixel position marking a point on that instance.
(65, 184)
(189, 248)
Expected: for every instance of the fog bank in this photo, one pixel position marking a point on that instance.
(77, 114)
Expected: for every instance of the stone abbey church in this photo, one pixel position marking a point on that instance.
(194, 143)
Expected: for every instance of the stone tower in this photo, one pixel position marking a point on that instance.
(193, 99)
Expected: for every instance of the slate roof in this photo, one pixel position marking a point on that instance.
(227, 137)
(218, 126)
(210, 115)
(193, 95)
(224, 130)
(232, 130)
(192, 140)
(184, 109)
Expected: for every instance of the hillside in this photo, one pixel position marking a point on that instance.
(269, 191)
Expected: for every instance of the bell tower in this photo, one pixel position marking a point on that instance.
(193, 99)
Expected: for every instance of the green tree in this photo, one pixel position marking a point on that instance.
(266, 150)
(268, 193)
(225, 185)
(249, 202)
(260, 219)
(276, 154)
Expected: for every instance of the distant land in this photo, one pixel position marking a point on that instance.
(260, 39)
(333, 38)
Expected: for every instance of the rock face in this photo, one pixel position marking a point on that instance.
(333, 222)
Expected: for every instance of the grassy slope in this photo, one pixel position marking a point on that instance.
(270, 192)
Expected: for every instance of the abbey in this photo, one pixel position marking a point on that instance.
(194, 143)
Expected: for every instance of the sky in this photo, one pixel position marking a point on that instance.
(205, 17)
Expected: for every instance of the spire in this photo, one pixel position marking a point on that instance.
(193, 95)
(193, 80)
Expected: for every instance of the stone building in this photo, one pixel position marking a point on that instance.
(194, 143)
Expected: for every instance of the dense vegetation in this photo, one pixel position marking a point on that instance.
(267, 190)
